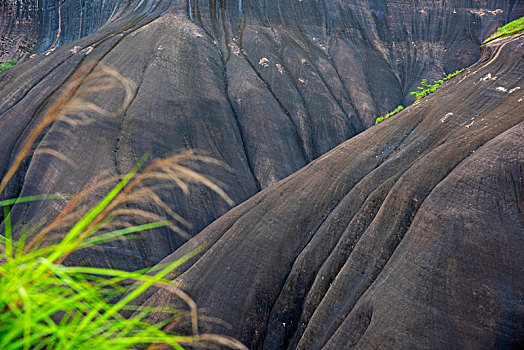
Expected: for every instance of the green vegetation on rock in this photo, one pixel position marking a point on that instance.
(512, 28)
(422, 91)
(7, 64)
(426, 88)
(390, 114)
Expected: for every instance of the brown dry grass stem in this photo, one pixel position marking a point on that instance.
(73, 108)
(174, 169)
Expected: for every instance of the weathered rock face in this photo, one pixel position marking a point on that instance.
(18, 32)
(264, 86)
(48, 23)
(61, 22)
(409, 235)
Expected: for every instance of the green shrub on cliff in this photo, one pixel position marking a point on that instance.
(512, 28)
(426, 88)
(422, 91)
(7, 64)
(390, 114)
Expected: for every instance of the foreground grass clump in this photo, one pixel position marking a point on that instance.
(390, 114)
(7, 64)
(512, 28)
(426, 88)
(45, 304)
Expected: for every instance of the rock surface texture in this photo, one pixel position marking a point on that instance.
(408, 236)
(18, 34)
(28, 26)
(264, 86)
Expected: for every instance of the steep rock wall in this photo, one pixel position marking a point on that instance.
(61, 22)
(18, 29)
(34, 26)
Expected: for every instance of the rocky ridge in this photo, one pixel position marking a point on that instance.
(265, 87)
(407, 236)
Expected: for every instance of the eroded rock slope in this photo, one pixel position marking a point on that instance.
(408, 236)
(264, 86)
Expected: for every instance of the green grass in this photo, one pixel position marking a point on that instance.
(426, 88)
(47, 305)
(390, 114)
(512, 28)
(7, 64)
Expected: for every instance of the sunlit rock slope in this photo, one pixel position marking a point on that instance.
(264, 86)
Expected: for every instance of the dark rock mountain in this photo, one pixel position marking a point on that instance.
(407, 236)
(265, 87)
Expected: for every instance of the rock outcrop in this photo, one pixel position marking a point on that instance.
(35, 26)
(18, 32)
(264, 86)
(407, 236)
